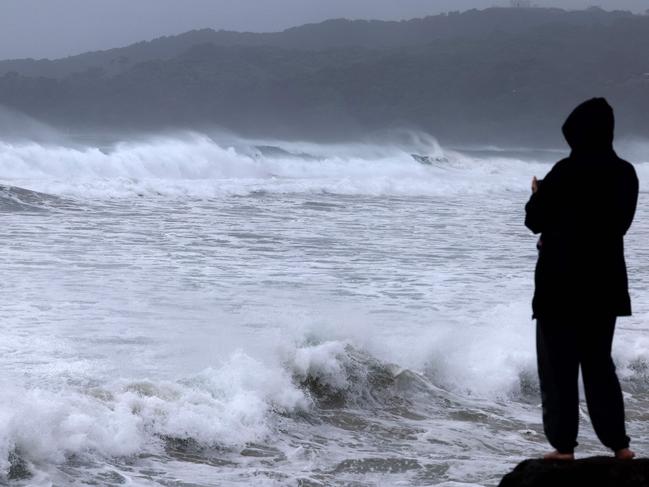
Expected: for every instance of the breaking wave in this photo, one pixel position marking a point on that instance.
(240, 403)
(196, 165)
(243, 405)
(316, 405)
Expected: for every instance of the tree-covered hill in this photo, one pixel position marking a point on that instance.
(505, 76)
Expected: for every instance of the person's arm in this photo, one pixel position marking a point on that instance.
(538, 208)
(630, 200)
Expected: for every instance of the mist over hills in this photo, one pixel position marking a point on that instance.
(499, 76)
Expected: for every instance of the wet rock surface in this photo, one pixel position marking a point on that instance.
(591, 472)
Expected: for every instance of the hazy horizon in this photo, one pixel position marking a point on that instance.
(69, 27)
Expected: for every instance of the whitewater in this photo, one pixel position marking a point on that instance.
(200, 309)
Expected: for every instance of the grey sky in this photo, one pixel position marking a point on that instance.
(56, 28)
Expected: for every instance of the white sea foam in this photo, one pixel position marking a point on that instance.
(195, 165)
(296, 325)
(228, 406)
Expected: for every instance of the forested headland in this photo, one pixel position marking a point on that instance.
(502, 75)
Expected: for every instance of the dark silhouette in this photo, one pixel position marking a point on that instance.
(582, 208)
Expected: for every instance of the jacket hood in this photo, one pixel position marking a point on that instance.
(591, 126)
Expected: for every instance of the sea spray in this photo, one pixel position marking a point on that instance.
(194, 165)
(184, 308)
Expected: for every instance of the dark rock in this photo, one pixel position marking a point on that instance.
(588, 472)
(18, 469)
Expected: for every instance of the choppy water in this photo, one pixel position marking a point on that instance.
(177, 311)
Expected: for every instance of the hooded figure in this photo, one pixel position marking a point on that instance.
(583, 208)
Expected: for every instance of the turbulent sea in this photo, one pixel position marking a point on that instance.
(183, 310)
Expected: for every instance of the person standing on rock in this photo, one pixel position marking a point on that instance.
(582, 208)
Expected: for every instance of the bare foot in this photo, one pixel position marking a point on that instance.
(555, 455)
(624, 454)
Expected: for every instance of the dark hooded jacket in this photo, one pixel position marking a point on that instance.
(583, 208)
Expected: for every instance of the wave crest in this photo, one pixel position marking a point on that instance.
(195, 165)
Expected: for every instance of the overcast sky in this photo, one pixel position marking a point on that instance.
(56, 28)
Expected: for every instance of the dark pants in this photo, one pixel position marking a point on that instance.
(562, 346)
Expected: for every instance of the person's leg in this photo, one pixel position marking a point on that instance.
(603, 392)
(558, 365)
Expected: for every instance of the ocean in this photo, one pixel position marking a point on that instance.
(199, 310)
